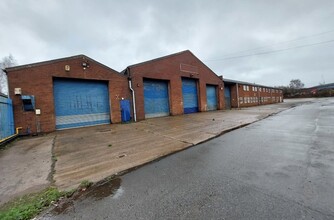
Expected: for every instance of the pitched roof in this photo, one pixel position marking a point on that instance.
(56, 61)
(165, 57)
(159, 58)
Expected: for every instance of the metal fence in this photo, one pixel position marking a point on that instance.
(6, 118)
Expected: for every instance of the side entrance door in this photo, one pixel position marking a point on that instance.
(227, 94)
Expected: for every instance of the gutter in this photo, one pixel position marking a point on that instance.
(133, 97)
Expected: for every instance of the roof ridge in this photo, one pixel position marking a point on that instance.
(56, 61)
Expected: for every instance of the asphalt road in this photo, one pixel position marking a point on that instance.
(279, 168)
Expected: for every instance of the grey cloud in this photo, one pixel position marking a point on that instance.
(120, 33)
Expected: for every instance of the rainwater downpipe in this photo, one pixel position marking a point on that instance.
(133, 99)
(238, 95)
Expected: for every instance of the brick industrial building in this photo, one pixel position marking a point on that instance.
(243, 94)
(175, 84)
(79, 91)
(64, 93)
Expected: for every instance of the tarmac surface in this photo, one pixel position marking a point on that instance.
(94, 153)
(281, 167)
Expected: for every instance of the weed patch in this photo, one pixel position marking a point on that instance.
(85, 184)
(30, 205)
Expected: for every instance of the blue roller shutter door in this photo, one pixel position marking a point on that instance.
(211, 97)
(189, 92)
(80, 103)
(156, 98)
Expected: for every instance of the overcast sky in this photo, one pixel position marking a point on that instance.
(121, 33)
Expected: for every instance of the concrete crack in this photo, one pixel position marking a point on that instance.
(53, 160)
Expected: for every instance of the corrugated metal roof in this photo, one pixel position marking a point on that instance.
(247, 83)
(324, 86)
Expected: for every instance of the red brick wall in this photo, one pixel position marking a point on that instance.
(37, 80)
(172, 68)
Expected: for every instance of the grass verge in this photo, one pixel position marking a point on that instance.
(30, 205)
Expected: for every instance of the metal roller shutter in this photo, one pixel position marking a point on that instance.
(211, 97)
(156, 99)
(189, 92)
(80, 103)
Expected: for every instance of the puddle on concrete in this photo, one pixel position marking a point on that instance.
(104, 189)
(97, 192)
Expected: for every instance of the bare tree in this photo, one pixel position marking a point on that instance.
(296, 84)
(7, 61)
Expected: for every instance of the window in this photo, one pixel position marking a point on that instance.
(245, 89)
(260, 89)
(241, 100)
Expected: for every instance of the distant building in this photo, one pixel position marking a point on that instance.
(243, 94)
(324, 90)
